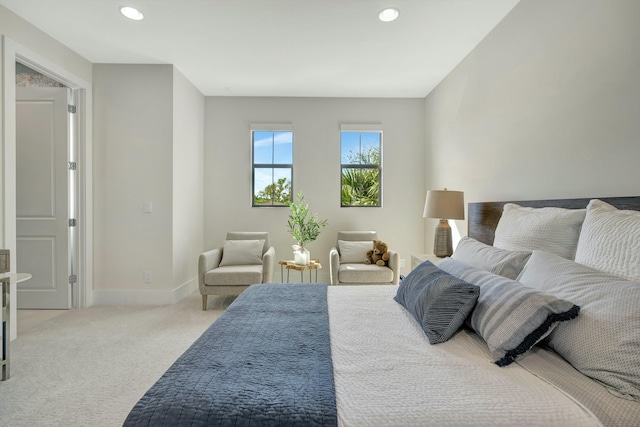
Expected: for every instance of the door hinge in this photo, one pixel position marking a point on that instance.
(72, 166)
(72, 222)
(71, 108)
(73, 279)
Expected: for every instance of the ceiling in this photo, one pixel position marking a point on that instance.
(301, 48)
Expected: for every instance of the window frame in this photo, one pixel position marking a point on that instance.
(363, 128)
(273, 128)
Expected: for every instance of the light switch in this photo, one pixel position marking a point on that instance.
(148, 206)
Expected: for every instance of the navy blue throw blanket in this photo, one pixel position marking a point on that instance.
(266, 361)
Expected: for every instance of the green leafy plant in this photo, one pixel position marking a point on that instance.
(361, 186)
(278, 193)
(303, 225)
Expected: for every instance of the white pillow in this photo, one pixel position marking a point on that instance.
(242, 252)
(610, 240)
(603, 342)
(354, 251)
(554, 230)
(495, 260)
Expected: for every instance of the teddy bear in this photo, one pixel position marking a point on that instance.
(379, 254)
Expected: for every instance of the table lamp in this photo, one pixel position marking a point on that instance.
(444, 205)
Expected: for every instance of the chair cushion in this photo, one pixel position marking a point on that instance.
(251, 235)
(234, 275)
(363, 273)
(242, 252)
(353, 251)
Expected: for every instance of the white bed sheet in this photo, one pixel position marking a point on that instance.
(386, 373)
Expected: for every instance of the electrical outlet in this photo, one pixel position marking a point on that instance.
(401, 262)
(147, 277)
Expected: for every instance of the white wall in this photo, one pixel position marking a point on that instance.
(133, 163)
(188, 179)
(547, 106)
(316, 123)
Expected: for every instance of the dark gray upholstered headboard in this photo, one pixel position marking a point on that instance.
(483, 216)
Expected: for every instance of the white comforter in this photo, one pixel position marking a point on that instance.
(386, 373)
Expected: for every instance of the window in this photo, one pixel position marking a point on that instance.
(361, 166)
(272, 147)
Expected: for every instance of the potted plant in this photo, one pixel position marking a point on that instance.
(304, 227)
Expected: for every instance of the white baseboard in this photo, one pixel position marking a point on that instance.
(124, 297)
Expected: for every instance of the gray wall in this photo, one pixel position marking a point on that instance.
(148, 147)
(133, 149)
(188, 178)
(316, 147)
(547, 106)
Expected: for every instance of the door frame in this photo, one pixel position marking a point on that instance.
(14, 52)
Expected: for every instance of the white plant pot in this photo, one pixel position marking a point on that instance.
(301, 257)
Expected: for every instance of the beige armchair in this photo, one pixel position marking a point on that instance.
(245, 259)
(347, 265)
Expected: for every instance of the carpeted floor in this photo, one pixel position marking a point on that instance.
(88, 367)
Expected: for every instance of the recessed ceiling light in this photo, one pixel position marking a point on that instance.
(389, 14)
(132, 13)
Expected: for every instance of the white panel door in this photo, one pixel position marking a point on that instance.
(42, 191)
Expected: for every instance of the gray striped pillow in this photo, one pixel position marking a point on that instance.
(509, 316)
(498, 261)
(438, 301)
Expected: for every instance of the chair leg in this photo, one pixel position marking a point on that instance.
(204, 303)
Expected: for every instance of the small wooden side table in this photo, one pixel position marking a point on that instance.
(314, 264)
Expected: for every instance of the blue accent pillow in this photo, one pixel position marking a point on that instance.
(439, 301)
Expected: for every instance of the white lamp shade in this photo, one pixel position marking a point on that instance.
(444, 204)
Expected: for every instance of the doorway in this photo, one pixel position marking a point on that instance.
(82, 234)
(44, 188)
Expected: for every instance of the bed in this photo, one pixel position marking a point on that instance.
(450, 346)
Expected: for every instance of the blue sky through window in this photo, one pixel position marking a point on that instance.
(353, 143)
(271, 148)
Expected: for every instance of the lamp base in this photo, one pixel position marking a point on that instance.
(442, 243)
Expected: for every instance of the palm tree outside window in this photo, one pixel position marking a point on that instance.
(361, 168)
